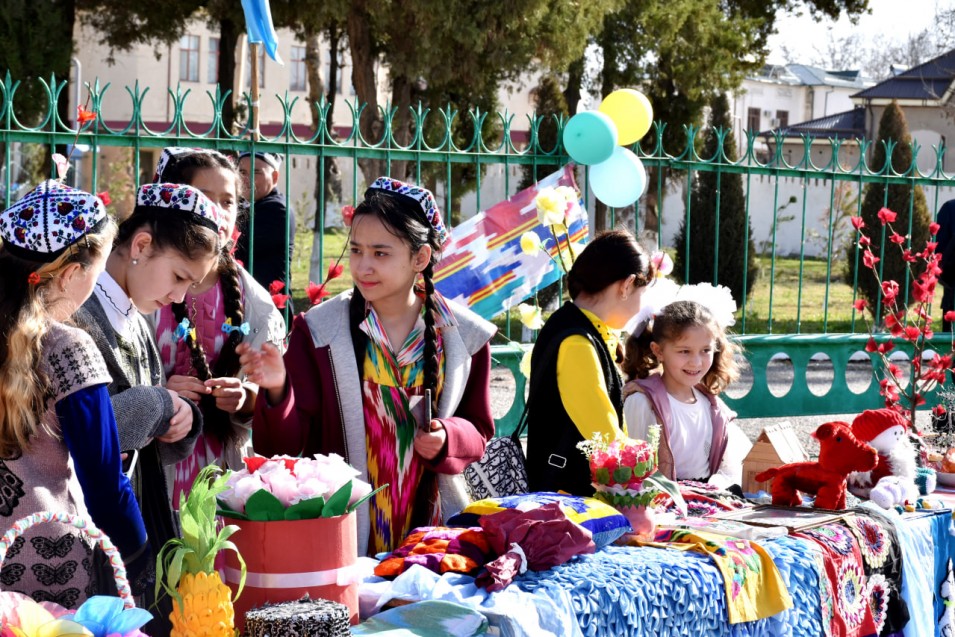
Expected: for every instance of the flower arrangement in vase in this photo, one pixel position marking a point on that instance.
(624, 474)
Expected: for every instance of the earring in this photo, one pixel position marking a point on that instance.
(135, 261)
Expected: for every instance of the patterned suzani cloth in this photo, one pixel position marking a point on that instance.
(844, 596)
(391, 377)
(882, 563)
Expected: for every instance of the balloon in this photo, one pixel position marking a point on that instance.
(590, 137)
(620, 180)
(630, 110)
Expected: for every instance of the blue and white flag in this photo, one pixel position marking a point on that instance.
(258, 25)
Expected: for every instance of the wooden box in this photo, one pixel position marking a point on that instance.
(777, 444)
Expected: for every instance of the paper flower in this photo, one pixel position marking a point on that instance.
(662, 262)
(551, 207)
(531, 316)
(84, 115)
(282, 487)
(530, 243)
(525, 365)
(316, 293)
(21, 616)
(275, 290)
(104, 616)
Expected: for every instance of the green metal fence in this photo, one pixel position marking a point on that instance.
(493, 146)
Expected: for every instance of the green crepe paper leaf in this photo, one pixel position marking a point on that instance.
(622, 475)
(670, 487)
(306, 509)
(338, 502)
(228, 545)
(603, 475)
(362, 499)
(225, 511)
(262, 506)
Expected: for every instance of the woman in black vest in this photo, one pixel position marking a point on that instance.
(575, 360)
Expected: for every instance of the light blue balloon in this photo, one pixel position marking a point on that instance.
(590, 137)
(620, 180)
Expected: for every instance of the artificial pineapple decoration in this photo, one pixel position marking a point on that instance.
(202, 603)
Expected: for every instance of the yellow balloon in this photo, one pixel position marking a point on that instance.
(630, 110)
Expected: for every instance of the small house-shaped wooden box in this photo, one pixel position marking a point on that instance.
(777, 445)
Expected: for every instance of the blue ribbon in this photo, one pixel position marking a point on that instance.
(228, 328)
(182, 330)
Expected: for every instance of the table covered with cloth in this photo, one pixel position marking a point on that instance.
(648, 591)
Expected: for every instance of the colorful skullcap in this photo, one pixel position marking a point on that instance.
(273, 160)
(171, 154)
(50, 219)
(421, 196)
(182, 198)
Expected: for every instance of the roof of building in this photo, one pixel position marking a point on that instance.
(844, 125)
(927, 81)
(805, 75)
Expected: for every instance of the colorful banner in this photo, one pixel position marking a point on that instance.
(483, 266)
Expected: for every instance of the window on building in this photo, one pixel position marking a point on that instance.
(297, 69)
(248, 67)
(782, 119)
(752, 119)
(212, 61)
(189, 58)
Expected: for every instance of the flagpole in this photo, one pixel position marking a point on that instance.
(254, 72)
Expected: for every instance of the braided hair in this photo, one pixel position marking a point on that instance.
(183, 169)
(405, 218)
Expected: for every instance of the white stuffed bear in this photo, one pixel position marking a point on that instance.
(893, 490)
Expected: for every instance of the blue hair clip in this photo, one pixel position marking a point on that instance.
(182, 330)
(228, 327)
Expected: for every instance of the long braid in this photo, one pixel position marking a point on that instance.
(228, 362)
(432, 366)
(196, 351)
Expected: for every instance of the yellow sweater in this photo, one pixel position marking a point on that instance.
(580, 380)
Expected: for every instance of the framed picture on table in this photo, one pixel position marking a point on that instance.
(793, 518)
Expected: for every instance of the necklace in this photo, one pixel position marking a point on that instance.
(126, 312)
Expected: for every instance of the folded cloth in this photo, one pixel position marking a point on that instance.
(425, 619)
(754, 587)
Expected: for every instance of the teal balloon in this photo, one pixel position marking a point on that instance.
(590, 137)
(620, 180)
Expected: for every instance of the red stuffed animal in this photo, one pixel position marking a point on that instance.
(839, 455)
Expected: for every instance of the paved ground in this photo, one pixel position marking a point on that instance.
(820, 375)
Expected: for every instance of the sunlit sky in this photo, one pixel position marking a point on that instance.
(895, 19)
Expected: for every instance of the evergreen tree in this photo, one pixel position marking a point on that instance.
(900, 198)
(718, 212)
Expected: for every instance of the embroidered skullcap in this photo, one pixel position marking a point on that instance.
(48, 220)
(422, 197)
(183, 199)
(171, 154)
(273, 160)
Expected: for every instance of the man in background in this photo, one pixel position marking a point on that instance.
(271, 255)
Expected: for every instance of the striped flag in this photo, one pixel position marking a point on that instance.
(483, 266)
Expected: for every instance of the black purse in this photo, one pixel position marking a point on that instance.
(502, 470)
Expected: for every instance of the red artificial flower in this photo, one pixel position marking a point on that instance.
(348, 213)
(871, 346)
(895, 237)
(254, 463)
(949, 316)
(933, 228)
(276, 286)
(280, 300)
(890, 290)
(316, 292)
(865, 241)
(83, 115)
(869, 259)
(859, 304)
(335, 270)
(919, 400)
(908, 256)
(104, 197)
(887, 216)
(927, 331)
(912, 333)
(857, 223)
(290, 464)
(938, 410)
(923, 291)
(34, 278)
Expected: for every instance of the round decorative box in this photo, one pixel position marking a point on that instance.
(302, 618)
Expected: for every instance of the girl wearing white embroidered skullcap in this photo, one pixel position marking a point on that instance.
(54, 403)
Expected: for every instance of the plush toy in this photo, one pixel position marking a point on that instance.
(893, 490)
(839, 455)
(886, 431)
